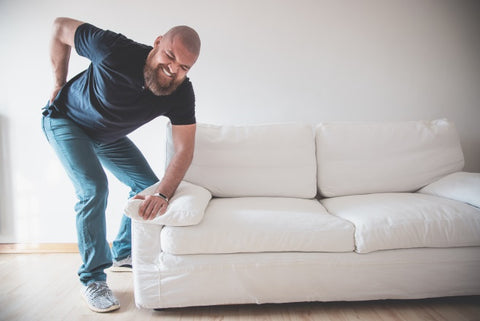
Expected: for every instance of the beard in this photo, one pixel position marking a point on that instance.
(157, 83)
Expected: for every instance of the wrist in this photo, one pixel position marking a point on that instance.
(161, 196)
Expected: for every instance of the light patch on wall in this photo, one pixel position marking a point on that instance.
(6, 206)
(27, 212)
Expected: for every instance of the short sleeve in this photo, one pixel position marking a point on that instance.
(187, 118)
(95, 43)
(184, 111)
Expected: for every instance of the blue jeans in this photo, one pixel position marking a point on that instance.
(83, 159)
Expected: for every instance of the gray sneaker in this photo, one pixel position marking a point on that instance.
(99, 297)
(124, 265)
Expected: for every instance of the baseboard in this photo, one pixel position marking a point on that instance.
(24, 248)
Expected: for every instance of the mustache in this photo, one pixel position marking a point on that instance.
(159, 80)
(166, 70)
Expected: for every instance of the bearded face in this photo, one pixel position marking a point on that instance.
(167, 66)
(160, 80)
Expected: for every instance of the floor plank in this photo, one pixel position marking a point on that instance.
(45, 287)
(29, 248)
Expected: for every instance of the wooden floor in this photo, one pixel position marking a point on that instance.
(45, 287)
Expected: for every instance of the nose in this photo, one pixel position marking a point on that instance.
(173, 68)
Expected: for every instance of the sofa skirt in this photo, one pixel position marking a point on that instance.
(166, 281)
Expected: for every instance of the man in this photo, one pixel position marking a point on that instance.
(86, 122)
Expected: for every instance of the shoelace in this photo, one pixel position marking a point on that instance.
(98, 289)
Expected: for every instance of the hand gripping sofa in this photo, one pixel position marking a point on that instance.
(292, 212)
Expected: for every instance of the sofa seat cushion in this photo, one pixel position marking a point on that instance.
(248, 225)
(407, 220)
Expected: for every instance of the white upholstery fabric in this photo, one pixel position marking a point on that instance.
(460, 186)
(261, 225)
(186, 207)
(407, 220)
(361, 158)
(284, 246)
(255, 160)
(163, 280)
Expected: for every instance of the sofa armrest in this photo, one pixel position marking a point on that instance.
(186, 207)
(459, 186)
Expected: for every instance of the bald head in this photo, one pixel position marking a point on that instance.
(187, 36)
(170, 59)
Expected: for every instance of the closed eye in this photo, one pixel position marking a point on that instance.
(170, 55)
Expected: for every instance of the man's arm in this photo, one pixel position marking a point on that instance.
(60, 47)
(184, 143)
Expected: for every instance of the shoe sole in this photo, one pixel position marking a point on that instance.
(121, 269)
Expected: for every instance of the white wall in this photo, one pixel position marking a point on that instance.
(262, 61)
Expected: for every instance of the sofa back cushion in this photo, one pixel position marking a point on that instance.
(361, 158)
(254, 160)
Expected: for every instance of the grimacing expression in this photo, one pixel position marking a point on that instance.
(167, 65)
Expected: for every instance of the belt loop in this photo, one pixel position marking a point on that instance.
(49, 110)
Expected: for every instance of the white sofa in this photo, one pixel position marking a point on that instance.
(292, 212)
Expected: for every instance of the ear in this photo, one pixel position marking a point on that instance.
(157, 41)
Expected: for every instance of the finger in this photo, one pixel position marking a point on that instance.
(138, 197)
(150, 212)
(146, 209)
(52, 98)
(141, 210)
(163, 209)
(159, 209)
(152, 209)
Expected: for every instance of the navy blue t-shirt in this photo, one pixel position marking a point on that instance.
(108, 100)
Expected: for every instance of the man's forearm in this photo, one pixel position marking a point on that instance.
(60, 56)
(60, 48)
(175, 173)
(183, 137)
